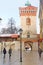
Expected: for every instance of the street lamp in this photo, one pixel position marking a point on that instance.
(20, 31)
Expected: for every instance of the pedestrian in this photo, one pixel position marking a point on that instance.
(10, 52)
(40, 47)
(4, 52)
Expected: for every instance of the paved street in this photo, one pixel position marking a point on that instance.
(29, 58)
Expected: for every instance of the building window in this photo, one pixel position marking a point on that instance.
(28, 22)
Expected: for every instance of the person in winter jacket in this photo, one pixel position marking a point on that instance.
(10, 52)
(4, 52)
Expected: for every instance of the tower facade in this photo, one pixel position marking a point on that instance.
(28, 19)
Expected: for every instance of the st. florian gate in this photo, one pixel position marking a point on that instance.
(31, 42)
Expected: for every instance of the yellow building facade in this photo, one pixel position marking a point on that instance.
(41, 18)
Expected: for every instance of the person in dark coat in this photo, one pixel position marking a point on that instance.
(4, 52)
(10, 52)
(40, 47)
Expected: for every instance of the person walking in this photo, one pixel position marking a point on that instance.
(4, 52)
(40, 47)
(10, 52)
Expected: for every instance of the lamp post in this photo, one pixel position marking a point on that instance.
(20, 31)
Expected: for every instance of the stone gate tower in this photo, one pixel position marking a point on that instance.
(28, 19)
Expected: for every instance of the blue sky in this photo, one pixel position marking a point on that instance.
(10, 8)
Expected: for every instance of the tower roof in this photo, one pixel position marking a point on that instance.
(27, 3)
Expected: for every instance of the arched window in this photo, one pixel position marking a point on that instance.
(28, 22)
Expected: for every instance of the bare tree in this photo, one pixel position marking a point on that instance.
(12, 26)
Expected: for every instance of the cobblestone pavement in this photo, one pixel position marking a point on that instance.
(28, 58)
